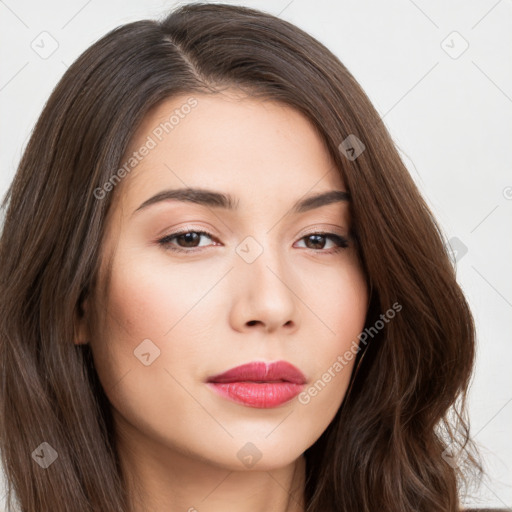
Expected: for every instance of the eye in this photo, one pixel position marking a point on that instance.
(314, 240)
(187, 239)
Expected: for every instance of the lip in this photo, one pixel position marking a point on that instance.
(259, 384)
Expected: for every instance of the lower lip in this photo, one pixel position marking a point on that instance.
(258, 394)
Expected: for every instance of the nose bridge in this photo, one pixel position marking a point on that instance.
(264, 286)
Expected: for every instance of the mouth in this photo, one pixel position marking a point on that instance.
(259, 384)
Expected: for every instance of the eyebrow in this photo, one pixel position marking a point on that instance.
(215, 199)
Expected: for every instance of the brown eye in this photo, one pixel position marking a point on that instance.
(184, 240)
(317, 242)
(189, 239)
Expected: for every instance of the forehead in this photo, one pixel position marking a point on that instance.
(253, 149)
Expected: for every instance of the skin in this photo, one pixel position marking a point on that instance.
(210, 310)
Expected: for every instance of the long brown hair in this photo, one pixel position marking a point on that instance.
(390, 447)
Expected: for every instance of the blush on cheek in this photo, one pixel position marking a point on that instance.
(140, 304)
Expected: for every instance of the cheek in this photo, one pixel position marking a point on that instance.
(337, 298)
(155, 315)
(153, 298)
(340, 304)
(151, 310)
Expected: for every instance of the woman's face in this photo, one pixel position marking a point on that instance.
(260, 286)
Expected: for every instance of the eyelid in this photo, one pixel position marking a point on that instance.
(319, 228)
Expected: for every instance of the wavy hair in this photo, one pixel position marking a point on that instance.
(392, 442)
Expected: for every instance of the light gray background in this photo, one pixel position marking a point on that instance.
(449, 111)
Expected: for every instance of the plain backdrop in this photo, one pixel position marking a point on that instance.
(440, 74)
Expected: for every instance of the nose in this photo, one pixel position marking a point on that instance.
(265, 296)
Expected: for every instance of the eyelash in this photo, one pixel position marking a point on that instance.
(165, 242)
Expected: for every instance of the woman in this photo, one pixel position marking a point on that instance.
(221, 289)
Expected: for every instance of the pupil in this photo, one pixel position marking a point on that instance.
(317, 239)
(189, 237)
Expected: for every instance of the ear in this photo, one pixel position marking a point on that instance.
(80, 321)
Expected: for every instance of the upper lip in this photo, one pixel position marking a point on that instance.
(260, 371)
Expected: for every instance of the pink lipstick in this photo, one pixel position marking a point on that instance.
(259, 384)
